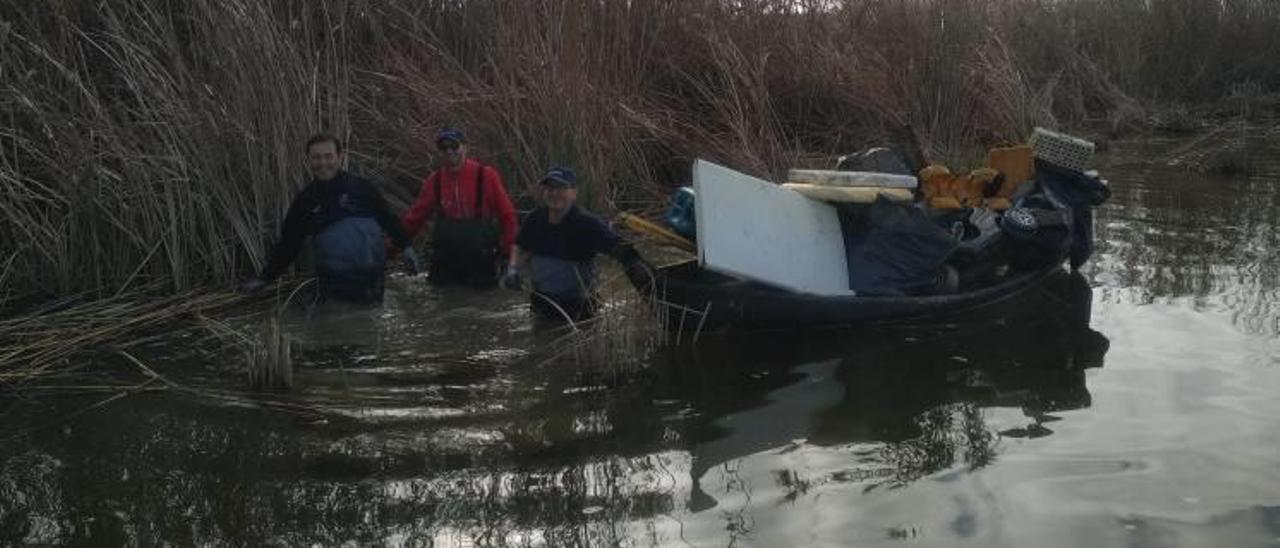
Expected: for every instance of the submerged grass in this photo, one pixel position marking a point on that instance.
(626, 330)
(631, 326)
(45, 345)
(47, 349)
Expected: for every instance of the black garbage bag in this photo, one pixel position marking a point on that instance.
(1080, 194)
(982, 255)
(877, 159)
(1038, 230)
(897, 251)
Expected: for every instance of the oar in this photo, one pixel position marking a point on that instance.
(660, 233)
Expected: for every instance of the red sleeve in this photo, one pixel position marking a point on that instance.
(422, 208)
(500, 204)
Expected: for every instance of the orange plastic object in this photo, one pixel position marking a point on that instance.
(997, 203)
(935, 181)
(945, 190)
(1016, 163)
(945, 202)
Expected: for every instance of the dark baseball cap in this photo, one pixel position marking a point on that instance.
(560, 176)
(450, 134)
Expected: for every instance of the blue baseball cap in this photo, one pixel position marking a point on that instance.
(561, 176)
(450, 134)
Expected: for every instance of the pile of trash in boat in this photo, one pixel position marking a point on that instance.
(880, 224)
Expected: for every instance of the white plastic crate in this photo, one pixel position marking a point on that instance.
(1061, 149)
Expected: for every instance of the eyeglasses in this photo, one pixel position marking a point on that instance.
(448, 146)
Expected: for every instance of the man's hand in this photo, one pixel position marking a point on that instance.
(634, 266)
(251, 286)
(511, 280)
(411, 263)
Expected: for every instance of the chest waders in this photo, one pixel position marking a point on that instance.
(347, 245)
(464, 251)
(350, 258)
(562, 287)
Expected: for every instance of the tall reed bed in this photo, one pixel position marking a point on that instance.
(152, 143)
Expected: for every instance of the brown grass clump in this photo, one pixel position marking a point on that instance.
(268, 356)
(1223, 151)
(50, 343)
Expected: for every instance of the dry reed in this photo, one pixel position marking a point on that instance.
(50, 343)
(625, 331)
(265, 348)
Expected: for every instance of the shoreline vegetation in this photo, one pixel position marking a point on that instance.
(150, 147)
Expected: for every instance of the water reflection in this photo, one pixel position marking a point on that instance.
(452, 450)
(1169, 236)
(916, 394)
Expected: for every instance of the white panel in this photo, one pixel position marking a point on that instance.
(760, 231)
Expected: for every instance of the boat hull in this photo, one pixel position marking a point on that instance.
(704, 301)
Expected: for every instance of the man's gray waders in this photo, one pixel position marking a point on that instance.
(350, 258)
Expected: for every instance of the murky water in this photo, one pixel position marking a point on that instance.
(1133, 406)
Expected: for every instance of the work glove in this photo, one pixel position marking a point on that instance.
(634, 266)
(410, 260)
(251, 286)
(511, 279)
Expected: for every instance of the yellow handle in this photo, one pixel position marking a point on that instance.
(660, 233)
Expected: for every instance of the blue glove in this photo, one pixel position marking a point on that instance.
(511, 280)
(410, 260)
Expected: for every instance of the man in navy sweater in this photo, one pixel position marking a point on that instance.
(557, 246)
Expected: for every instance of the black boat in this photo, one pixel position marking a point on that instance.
(701, 300)
(1051, 224)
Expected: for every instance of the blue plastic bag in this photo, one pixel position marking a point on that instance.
(680, 213)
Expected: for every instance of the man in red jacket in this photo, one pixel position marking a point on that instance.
(474, 222)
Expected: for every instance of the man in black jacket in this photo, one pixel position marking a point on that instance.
(346, 218)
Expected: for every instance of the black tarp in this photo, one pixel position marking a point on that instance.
(895, 250)
(1081, 194)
